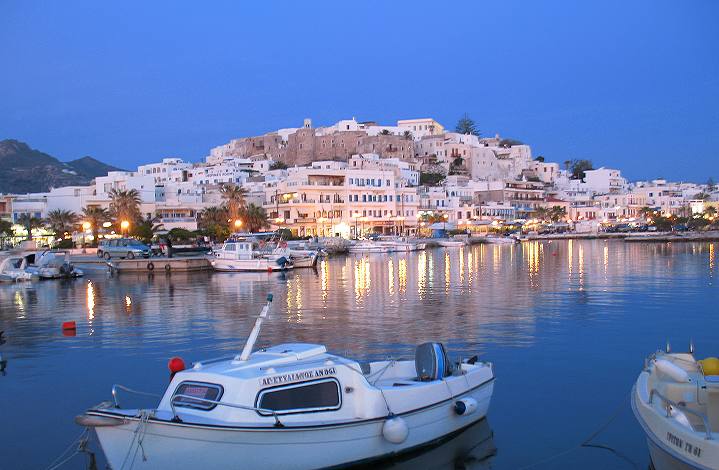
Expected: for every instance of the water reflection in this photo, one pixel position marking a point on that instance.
(577, 310)
(473, 448)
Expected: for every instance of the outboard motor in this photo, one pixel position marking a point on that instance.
(432, 362)
(282, 261)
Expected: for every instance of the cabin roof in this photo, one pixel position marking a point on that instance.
(267, 361)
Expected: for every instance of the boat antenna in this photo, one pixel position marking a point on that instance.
(669, 347)
(256, 330)
(691, 346)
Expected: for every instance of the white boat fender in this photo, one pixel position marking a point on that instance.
(672, 370)
(465, 406)
(395, 430)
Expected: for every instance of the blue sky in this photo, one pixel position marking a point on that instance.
(633, 85)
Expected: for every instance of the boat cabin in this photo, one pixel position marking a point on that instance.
(302, 384)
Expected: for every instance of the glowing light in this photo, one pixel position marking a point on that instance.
(238, 223)
(86, 226)
(90, 301)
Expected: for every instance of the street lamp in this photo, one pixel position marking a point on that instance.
(238, 224)
(85, 227)
(124, 225)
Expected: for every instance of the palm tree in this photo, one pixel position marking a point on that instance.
(557, 213)
(541, 213)
(146, 229)
(646, 211)
(213, 220)
(61, 221)
(95, 216)
(255, 217)
(407, 135)
(125, 205)
(5, 227)
(235, 197)
(29, 222)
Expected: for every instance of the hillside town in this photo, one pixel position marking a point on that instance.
(355, 178)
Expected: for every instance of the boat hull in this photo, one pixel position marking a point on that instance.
(247, 265)
(188, 446)
(669, 447)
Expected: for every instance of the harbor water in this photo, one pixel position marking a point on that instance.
(567, 325)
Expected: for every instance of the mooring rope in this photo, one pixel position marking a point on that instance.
(588, 440)
(80, 445)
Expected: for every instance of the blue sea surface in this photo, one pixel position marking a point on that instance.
(567, 325)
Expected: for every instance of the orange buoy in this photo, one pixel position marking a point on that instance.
(269, 269)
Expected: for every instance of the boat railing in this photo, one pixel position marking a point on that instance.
(668, 403)
(117, 387)
(222, 403)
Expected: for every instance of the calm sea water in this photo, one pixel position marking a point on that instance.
(567, 325)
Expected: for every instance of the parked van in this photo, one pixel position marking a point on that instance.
(122, 248)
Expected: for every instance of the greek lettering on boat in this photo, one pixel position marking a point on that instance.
(298, 376)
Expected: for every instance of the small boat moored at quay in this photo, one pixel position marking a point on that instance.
(676, 401)
(242, 255)
(14, 269)
(295, 406)
(451, 242)
(498, 240)
(368, 246)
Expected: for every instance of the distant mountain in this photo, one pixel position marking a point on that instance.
(26, 170)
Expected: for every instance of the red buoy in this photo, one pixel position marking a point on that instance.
(69, 325)
(269, 269)
(175, 364)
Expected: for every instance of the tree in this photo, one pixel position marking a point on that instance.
(180, 234)
(579, 167)
(539, 159)
(234, 197)
(541, 213)
(29, 222)
(711, 186)
(95, 216)
(702, 195)
(254, 217)
(125, 205)
(430, 179)
(709, 212)
(466, 125)
(5, 227)
(646, 212)
(557, 213)
(407, 135)
(146, 229)
(61, 221)
(213, 222)
(384, 132)
(278, 165)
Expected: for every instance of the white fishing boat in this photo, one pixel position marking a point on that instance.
(499, 240)
(242, 255)
(451, 242)
(54, 265)
(676, 401)
(303, 258)
(368, 246)
(401, 244)
(295, 406)
(297, 257)
(14, 269)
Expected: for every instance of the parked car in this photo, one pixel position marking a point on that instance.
(680, 228)
(122, 248)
